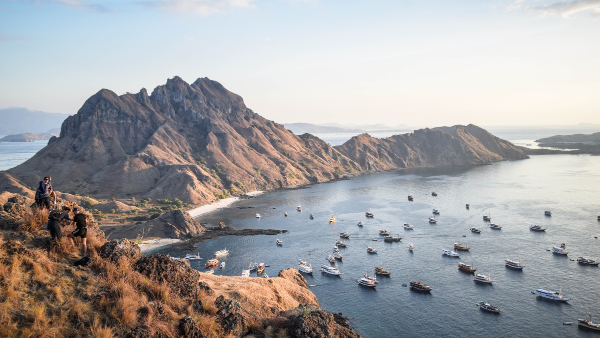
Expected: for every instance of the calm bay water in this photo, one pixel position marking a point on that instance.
(14, 153)
(514, 193)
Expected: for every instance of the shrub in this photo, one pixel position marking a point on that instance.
(112, 211)
(88, 204)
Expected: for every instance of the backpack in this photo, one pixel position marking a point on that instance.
(83, 262)
(54, 214)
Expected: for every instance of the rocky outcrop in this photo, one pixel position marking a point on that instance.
(311, 322)
(117, 248)
(181, 278)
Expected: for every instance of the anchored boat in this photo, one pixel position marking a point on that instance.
(552, 295)
(562, 250)
(418, 286)
(514, 264)
(488, 307)
(466, 268)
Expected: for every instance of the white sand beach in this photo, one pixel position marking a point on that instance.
(218, 205)
(155, 244)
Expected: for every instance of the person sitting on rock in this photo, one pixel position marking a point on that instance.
(42, 194)
(52, 195)
(79, 220)
(54, 222)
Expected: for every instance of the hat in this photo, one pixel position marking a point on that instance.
(75, 209)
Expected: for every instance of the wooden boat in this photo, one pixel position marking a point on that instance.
(466, 268)
(488, 307)
(360, 224)
(382, 271)
(548, 213)
(588, 324)
(390, 238)
(311, 216)
(279, 242)
(487, 218)
(475, 230)
(211, 263)
(371, 250)
(585, 261)
(461, 247)
(299, 208)
(418, 286)
(369, 214)
(344, 235)
(260, 269)
(222, 252)
(340, 244)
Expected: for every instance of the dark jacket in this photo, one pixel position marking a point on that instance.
(43, 190)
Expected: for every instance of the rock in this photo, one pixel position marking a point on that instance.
(189, 329)
(230, 317)
(139, 332)
(181, 278)
(293, 275)
(8, 221)
(16, 207)
(174, 224)
(205, 288)
(318, 323)
(197, 306)
(117, 248)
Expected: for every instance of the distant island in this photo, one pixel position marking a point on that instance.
(582, 142)
(28, 137)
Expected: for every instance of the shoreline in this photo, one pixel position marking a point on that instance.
(207, 208)
(150, 245)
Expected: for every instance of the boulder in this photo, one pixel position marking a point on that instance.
(180, 277)
(189, 329)
(311, 322)
(118, 248)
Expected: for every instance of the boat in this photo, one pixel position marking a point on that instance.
(468, 206)
(552, 295)
(222, 266)
(257, 215)
(222, 252)
(495, 226)
(369, 281)
(432, 220)
(585, 261)
(299, 208)
(332, 219)
(461, 247)
(264, 275)
(305, 267)
(332, 270)
(260, 269)
(245, 273)
(340, 244)
(383, 232)
(337, 255)
(487, 218)
(369, 214)
(210, 272)
(279, 242)
(514, 264)
(548, 213)
(475, 230)
(192, 257)
(252, 266)
(588, 324)
(390, 239)
(382, 271)
(483, 279)
(562, 250)
(466, 268)
(311, 216)
(449, 253)
(344, 235)
(536, 227)
(331, 259)
(411, 248)
(488, 307)
(436, 211)
(371, 250)
(408, 226)
(410, 197)
(211, 263)
(285, 213)
(360, 224)
(433, 193)
(418, 286)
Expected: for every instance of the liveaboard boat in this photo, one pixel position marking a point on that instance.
(260, 269)
(475, 230)
(369, 214)
(562, 250)
(449, 253)
(518, 265)
(340, 244)
(487, 217)
(211, 263)
(432, 220)
(418, 286)
(382, 271)
(384, 232)
(279, 242)
(371, 250)
(245, 273)
(389, 238)
(332, 270)
(461, 247)
(588, 324)
(222, 252)
(488, 307)
(585, 261)
(466, 268)
(369, 281)
(483, 279)
(495, 226)
(305, 267)
(344, 235)
(552, 295)
(536, 227)
(408, 226)
(337, 254)
(331, 259)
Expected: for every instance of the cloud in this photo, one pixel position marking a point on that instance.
(202, 7)
(77, 5)
(566, 9)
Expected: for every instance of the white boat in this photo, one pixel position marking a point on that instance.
(369, 281)
(337, 255)
(408, 226)
(369, 214)
(483, 279)
(495, 226)
(436, 211)
(411, 248)
(331, 259)
(245, 273)
(371, 250)
(340, 244)
(487, 217)
(299, 208)
(552, 295)
(449, 253)
(432, 220)
(252, 266)
(536, 227)
(384, 232)
(332, 270)
(192, 257)
(360, 224)
(257, 215)
(279, 242)
(222, 266)
(305, 267)
(514, 264)
(210, 272)
(562, 250)
(222, 252)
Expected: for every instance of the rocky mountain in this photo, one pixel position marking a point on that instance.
(17, 120)
(199, 142)
(576, 138)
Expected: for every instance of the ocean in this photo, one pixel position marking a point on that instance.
(14, 153)
(514, 193)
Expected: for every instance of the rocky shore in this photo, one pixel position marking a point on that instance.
(216, 232)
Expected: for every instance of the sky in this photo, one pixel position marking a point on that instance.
(513, 62)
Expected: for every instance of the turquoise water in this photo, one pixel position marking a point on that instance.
(514, 193)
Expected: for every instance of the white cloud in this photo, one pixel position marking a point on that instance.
(566, 9)
(202, 7)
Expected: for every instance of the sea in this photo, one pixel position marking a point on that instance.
(14, 153)
(514, 193)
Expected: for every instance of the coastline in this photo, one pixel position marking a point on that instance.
(204, 209)
(151, 245)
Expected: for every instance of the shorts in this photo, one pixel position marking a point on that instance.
(80, 233)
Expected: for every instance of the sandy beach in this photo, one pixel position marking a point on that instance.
(218, 205)
(156, 244)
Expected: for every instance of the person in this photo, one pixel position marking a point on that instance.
(81, 231)
(42, 194)
(52, 195)
(54, 222)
